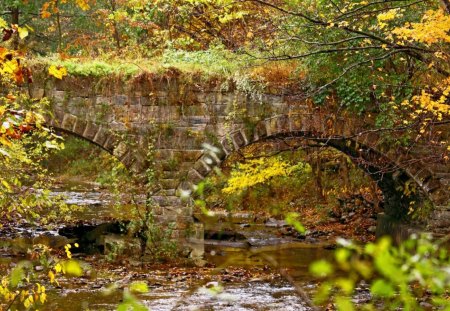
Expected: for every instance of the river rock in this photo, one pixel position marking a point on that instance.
(273, 223)
(426, 306)
(372, 229)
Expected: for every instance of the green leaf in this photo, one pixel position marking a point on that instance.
(382, 288)
(322, 294)
(321, 268)
(342, 255)
(130, 303)
(364, 268)
(344, 304)
(17, 274)
(346, 285)
(291, 219)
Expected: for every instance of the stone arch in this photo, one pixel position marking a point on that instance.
(391, 168)
(100, 136)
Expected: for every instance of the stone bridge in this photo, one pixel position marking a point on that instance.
(178, 115)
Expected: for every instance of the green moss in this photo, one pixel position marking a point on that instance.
(215, 62)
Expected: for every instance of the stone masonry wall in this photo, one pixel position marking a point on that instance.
(181, 114)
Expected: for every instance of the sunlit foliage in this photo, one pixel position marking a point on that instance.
(397, 276)
(259, 171)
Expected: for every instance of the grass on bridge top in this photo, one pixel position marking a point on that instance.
(209, 63)
(212, 63)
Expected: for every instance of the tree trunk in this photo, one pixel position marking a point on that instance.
(116, 34)
(344, 172)
(446, 4)
(317, 169)
(15, 13)
(58, 24)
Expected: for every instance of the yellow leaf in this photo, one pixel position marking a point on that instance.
(58, 268)
(43, 297)
(23, 32)
(51, 276)
(3, 23)
(83, 4)
(5, 183)
(57, 72)
(73, 268)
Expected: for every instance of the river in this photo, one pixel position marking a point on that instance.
(268, 274)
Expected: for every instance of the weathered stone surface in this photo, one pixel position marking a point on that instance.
(90, 131)
(101, 136)
(80, 127)
(69, 122)
(181, 117)
(59, 97)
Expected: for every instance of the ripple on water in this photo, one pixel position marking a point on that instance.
(255, 296)
(83, 198)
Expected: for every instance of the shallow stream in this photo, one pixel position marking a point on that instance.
(236, 277)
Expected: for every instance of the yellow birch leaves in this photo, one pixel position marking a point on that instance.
(261, 170)
(433, 28)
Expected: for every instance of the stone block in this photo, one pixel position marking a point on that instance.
(101, 136)
(202, 168)
(239, 140)
(227, 146)
(68, 122)
(169, 183)
(194, 177)
(59, 97)
(260, 130)
(440, 219)
(37, 93)
(120, 100)
(120, 150)
(135, 100)
(272, 126)
(80, 127)
(283, 124)
(90, 131)
(127, 159)
(197, 120)
(102, 100)
(111, 143)
(58, 117)
(147, 101)
(171, 201)
(431, 185)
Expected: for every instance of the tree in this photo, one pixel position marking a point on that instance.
(370, 54)
(24, 140)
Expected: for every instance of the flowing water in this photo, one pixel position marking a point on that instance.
(243, 278)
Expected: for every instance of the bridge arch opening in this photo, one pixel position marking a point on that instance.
(323, 186)
(401, 194)
(83, 161)
(120, 146)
